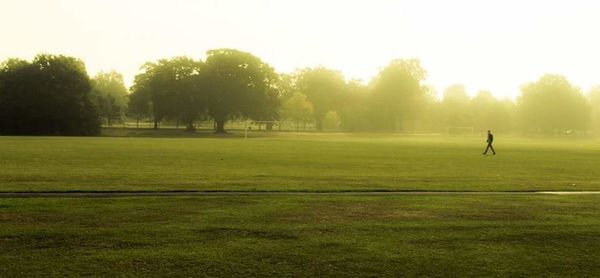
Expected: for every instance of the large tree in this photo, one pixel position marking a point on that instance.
(176, 88)
(287, 85)
(594, 96)
(297, 109)
(398, 91)
(552, 105)
(50, 95)
(429, 111)
(491, 113)
(110, 95)
(353, 108)
(323, 88)
(139, 106)
(240, 85)
(455, 107)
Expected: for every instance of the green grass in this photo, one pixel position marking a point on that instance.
(325, 235)
(302, 236)
(296, 162)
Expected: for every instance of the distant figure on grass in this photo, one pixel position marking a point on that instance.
(489, 141)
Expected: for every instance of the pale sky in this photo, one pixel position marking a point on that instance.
(483, 44)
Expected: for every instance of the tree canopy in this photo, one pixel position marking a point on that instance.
(297, 109)
(53, 94)
(552, 105)
(174, 88)
(110, 95)
(398, 91)
(323, 88)
(240, 85)
(49, 95)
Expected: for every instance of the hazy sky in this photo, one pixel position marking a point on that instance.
(483, 44)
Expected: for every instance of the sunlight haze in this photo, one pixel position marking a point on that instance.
(491, 45)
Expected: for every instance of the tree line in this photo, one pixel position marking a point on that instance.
(53, 94)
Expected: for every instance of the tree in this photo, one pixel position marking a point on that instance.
(482, 106)
(192, 94)
(176, 88)
(110, 95)
(146, 84)
(50, 96)
(594, 96)
(353, 109)
(139, 106)
(331, 121)
(297, 109)
(287, 85)
(323, 88)
(490, 113)
(552, 105)
(398, 90)
(241, 85)
(429, 115)
(455, 107)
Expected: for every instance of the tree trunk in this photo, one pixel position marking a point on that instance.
(155, 124)
(220, 126)
(269, 126)
(189, 127)
(319, 124)
(137, 123)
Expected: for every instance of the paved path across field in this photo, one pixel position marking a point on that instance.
(272, 193)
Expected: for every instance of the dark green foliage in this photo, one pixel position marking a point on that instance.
(230, 84)
(50, 95)
(240, 85)
(139, 105)
(174, 88)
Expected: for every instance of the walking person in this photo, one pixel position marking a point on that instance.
(490, 139)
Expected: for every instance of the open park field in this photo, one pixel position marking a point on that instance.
(325, 162)
(232, 236)
(299, 235)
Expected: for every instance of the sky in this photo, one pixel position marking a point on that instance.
(495, 45)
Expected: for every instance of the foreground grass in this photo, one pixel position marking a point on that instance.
(302, 236)
(309, 162)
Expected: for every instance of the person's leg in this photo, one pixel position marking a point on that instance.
(486, 149)
(493, 151)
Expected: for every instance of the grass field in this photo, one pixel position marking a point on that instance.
(299, 235)
(318, 162)
(261, 236)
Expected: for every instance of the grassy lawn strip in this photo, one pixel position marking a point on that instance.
(523, 235)
(330, 162)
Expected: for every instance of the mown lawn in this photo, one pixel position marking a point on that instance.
(232, 236)
(316, 162)
(327, 162)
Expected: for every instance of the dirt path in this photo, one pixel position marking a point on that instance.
(273, 193)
